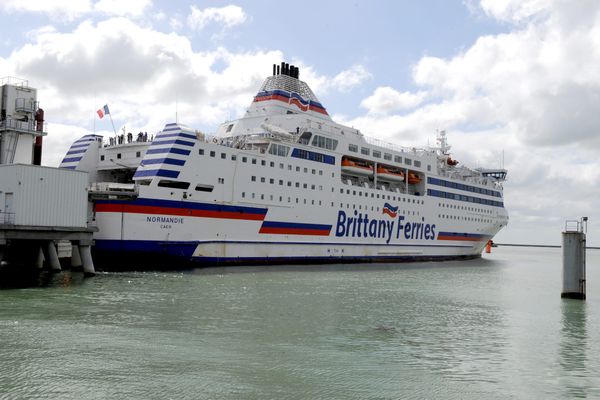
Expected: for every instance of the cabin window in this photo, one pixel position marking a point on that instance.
(173, 184)
(397, 159)
(324, 142)
(102, 158)
(118, 155)
(407, 161)
(254, 161)
(262, 180)
(145, 182)
(417, 163)
(279, 150)
(376, 154)
(429, 169)
(212, 153)
(138, 154)
(253, 178)
(223, 156)
(233, 157)
(209, 188)
(364, 150)
(387, 156)
(200, 152)
(263, 162)
(353, 148)
(244, 159)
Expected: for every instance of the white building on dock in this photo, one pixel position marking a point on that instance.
(39, 206)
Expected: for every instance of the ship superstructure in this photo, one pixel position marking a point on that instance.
(284, 183)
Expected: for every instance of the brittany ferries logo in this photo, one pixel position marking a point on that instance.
(389, 210)
(362, 226)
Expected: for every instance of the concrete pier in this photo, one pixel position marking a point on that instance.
(573, 270)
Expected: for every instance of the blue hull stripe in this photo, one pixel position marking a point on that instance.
(157, 172)
(174, 141)
(168, 150)
(72, 159)
(171, 161)
(174, 135)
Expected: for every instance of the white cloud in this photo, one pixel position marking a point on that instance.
(343, 81)
(227, 16)
(139, 72)
(350, 78)
(533, 92)
(513, 10)
(386, 99)
(62, 9)
(134, 8)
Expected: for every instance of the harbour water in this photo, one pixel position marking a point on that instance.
(493, 328)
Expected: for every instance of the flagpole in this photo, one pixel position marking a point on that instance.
(94, 119)
(113, 124)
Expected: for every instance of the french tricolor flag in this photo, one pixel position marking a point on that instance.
(103, 111)
(389, 210)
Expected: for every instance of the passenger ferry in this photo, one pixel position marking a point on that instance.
(283, 184)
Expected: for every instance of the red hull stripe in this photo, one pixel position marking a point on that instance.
(292, 231)
(463, 237)
(184, 212)
(294, 228)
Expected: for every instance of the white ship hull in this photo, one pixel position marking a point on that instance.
(269, 196)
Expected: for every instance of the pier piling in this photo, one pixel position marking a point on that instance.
(53, 257)
(75, 256)
(86, 258)
(573, 245)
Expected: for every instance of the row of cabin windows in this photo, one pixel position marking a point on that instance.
(461, 218)
(264, 163)
(383, 196)
(298, 200)
(138, 154)
(253, 178)
(473, 209)
(262, 196)
(166, 183)
(386, 156)
(376, 209)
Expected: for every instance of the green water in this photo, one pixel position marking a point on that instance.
(482, 329)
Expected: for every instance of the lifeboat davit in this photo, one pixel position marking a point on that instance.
(356, 167)
(413, 178)
(386, 174)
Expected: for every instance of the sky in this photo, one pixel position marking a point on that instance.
(513, 82)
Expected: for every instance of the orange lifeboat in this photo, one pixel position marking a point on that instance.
(387, 174)
(413, 178)
(356, 167)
